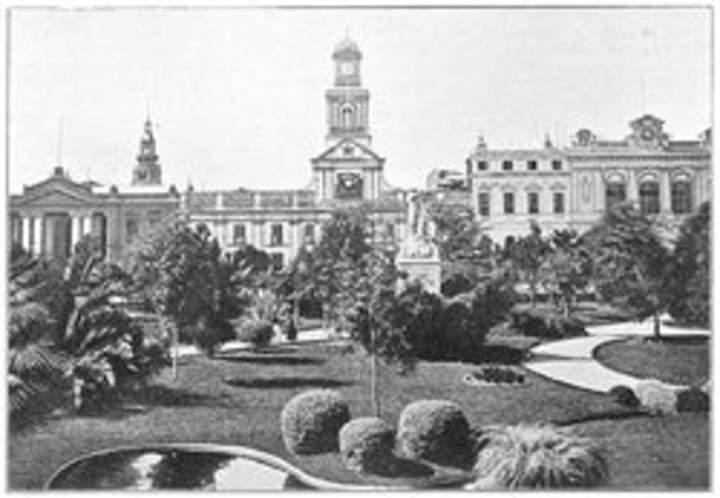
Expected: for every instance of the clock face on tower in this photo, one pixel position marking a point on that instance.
(347, 68)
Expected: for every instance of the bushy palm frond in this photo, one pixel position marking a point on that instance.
(537, 457)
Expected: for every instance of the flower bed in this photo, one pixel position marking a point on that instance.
(494, 375)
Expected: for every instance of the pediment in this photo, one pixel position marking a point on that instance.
(55, 196)
(349, 150)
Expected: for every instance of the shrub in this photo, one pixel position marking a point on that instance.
(434, 430)
(257, 332)
(366, 445)
(656, 397)
(211, 332)
(538, 457)
(456, 328)
(311, 421)
(546, 324)
(499, 375)
(625, 396)
(692, 400)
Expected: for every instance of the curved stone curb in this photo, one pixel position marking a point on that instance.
(578, 367)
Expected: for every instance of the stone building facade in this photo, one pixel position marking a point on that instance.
(571, 187)
(347, 173)
(51, 216)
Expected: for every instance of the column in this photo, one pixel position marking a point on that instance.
(86, 226)
(75, 230)
(26, 234)
(37, 235)
(632, 193)
(599, 192)
(665, 192)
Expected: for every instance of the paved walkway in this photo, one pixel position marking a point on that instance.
(575, 364)
(314, 335)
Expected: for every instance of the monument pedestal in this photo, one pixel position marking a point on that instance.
(423, 270)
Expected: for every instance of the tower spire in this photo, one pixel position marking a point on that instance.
(147, 171)
(59, 142)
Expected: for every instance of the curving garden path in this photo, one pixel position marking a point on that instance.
(571, 361)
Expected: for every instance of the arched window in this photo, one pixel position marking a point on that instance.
(347, 117)
(681, 196)
(649, 197)
(614, 193)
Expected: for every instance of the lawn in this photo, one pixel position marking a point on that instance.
(200, 406)
(674, 360)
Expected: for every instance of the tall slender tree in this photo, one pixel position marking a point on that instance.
(630, 263)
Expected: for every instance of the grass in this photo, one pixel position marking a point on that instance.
(677, 361)
(201, 406)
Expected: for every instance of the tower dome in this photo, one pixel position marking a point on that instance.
(347, 48)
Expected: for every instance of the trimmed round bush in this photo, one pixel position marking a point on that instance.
(656, 397)
(311, 421)
(692, 400)
(625, 396)
(436, 431)
(366, 445)
(538, 457)
(257, 332)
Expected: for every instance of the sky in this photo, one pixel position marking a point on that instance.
(238, 94)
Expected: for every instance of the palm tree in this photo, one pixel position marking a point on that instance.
(36, 367)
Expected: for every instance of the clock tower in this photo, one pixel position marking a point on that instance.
(349, 170)
(347, 101)
(147, 171)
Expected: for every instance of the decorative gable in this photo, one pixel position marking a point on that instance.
(351, 151)
(647, 133)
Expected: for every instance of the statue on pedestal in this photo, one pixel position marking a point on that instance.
(418, 243)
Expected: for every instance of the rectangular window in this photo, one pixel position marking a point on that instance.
(309, 233)
(533, 202)
(239, 233)
(557, 164)
(482, 165)
(276, 234)
(390, 232)
(276, 261)
(131, 230)
(507, 165)
(484, 203)
(154, 219)
(650, 197)
(509, 202)
(532, 165)
(681, 197)
(558, 202)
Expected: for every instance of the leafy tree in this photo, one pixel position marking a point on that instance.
(466, 253)
(528, 253)
(630, 262)
(343, 244)
(689, 284)
(566, 268)
(375, 314)
(185, 278)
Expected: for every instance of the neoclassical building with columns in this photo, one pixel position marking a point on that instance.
(49, 217)
(571, 187)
